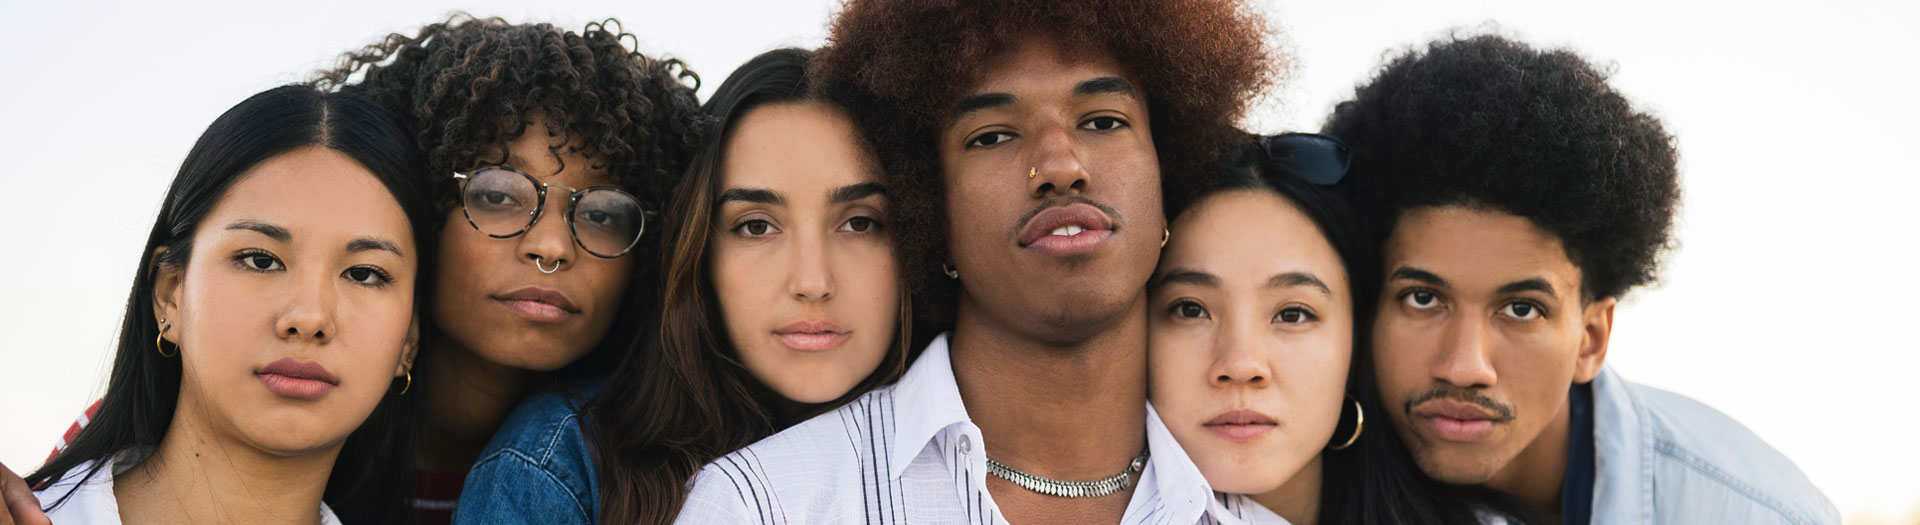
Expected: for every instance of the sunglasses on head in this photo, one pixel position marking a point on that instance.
(1316, 158)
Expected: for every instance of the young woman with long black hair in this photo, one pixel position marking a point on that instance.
(782, 300)
(265, 356)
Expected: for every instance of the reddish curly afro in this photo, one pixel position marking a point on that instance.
(902, 65)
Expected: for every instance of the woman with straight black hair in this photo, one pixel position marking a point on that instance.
(1260, 313)
(781, 300)
(265, 354)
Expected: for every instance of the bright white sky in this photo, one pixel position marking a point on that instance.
(1781, 306)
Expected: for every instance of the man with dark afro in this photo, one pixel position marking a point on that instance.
(1026, 145)
(1517, 197)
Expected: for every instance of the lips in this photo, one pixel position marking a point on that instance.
(813, 336)
(1240, 425)
(538, 304)
(1455, 420)
(1074, 229)
(297, 379)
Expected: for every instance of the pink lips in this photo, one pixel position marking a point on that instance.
(1240, 425)
(1044, 232)
(1457, 421)
(297, 379)
(538, 304)
(813, 336)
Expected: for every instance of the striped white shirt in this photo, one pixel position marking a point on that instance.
(908, 453)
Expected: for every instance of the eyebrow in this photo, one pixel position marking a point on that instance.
(1103, 85)
(1189, 276)
(980, 101)
(1292, 279)
(854, 192)
(1529, 285)
(365, 244)
(275, 232)
(1416, 274)
(751, 195)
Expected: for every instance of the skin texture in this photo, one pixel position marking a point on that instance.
(1467, 331)
(489, 346)
(1236, 324)
(785, 250)
(1049, 351)
(237, 451)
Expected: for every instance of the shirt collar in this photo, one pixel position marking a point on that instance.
(933, 401)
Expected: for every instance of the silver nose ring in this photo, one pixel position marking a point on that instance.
(543, 269)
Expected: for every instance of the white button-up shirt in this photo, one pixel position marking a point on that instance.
(908, 453)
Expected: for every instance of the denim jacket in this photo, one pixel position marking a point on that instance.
(537, 468)
(1663, 458)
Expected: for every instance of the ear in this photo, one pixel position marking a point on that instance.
(1598, 320)
(409, 349)
(166, 293)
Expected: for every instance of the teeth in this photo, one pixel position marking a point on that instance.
(1068, 231)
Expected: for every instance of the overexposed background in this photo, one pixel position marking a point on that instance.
(1782, 305)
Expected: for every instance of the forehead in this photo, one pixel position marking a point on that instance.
(314, 193)
(1251, 234)
(1474, 247)
(796, 146)
(1034, 66)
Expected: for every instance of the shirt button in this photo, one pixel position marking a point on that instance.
(966, 445)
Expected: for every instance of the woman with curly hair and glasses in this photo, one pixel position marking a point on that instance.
(551, 154)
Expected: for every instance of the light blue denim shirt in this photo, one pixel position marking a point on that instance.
(537, 468)
(1660, 457)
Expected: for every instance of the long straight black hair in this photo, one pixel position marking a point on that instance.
(1374, 481)
(372, 477)
(683, 399)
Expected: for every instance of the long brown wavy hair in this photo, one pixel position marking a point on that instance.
(684, 399)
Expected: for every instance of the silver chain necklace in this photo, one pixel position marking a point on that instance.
(1069, 489)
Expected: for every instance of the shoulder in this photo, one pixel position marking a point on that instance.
(791, 472)
(1701, 455)
(538, 464)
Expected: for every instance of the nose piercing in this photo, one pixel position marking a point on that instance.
(543, 269)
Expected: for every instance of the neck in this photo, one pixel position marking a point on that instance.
(1536, 475)
(201, 476)
(1297, 500)
(467, 399)
(1067, 412)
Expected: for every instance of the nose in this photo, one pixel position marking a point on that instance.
(1057, 165)
(1463, 359)
(810, 277)
(1236, 359)
(309, 312)
(548, 243)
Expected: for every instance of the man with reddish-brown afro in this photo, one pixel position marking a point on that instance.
(1027, 145)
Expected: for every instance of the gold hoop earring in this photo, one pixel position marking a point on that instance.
(1165, 234)
(1359, 423)
(1031, 172)
(160, 341)
(951, 273)
(409, 385)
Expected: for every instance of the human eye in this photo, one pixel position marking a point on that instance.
(861, 224)
(989, 139)
(1419, 299)
(754, 228)
(1523, 310)
(1188, 309)
(368, 275)
(1295, 315)
(1103, 124)
(258, 261)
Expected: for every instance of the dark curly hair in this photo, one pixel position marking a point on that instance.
(903, 64)
(464, 86)
(1488, 122)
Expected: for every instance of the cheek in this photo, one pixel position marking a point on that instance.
(220, 317)
(1177, 375)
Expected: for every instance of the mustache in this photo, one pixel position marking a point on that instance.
(1465, 395)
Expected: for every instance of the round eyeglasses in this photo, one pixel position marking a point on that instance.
(502, 202)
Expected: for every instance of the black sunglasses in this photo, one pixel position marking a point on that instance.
(1316, 158)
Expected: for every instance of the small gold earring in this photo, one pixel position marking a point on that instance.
(1031, 172)
(409, 386)
(160, 342)
(1165, 234)
(1359, 424)
(951, 273)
